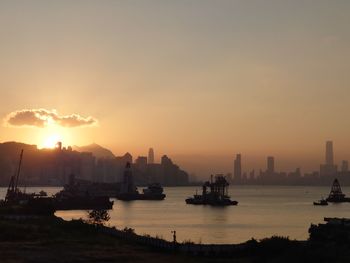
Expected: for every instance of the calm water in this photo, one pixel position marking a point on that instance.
(262, 211)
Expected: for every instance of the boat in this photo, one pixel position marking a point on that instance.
(217, 195)
(129, 192)
(321, 202)
(73, 198)
(153, 192)
(336, 195)
(20, 203)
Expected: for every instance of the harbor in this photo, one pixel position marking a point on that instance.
(263, 211)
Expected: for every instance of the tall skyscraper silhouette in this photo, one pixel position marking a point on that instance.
(345, 166)
(329, 153)
(237, 169)
(270, 164)
(329, 168)
(150, 155)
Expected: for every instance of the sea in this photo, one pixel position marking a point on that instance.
(262, 211)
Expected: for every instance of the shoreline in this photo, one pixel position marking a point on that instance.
(31, 239)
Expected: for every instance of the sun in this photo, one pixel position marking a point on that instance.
(50, 136)
(51, 141)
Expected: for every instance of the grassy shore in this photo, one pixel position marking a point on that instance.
(54, 240)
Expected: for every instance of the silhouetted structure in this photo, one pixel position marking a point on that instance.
(336, 230)
(270, 165)
(141, 160)
(128, 186)
(128, 190)
(150, 156)
(336, 195)
(345, 166)
(20, 203)
(329, 153)
(237, 170)
(321, 202)
(328, 169)
(75, 197)
(216, 196)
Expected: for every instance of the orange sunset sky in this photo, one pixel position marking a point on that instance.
(198, 80)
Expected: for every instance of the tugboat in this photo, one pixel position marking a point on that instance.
(72, 198)
(218, 195)
(129, 192)
(336, 195)
(321, 202)
(19, 203)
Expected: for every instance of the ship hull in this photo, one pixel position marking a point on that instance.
(338, 200)
(192, 201)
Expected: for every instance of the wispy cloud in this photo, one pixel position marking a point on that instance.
(42, 118)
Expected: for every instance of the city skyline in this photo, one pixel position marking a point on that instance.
(199, 81)
(174, 131)
(237, 168)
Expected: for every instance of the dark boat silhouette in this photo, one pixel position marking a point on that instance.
(321, 202)
(19, 203)
(336, 195)
(73, 198)
(129, 192)
(217, 195)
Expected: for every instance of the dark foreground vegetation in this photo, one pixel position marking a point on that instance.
(54, 240)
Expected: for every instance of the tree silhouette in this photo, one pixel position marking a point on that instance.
(98, 217)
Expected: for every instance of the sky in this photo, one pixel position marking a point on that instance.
(197, 80)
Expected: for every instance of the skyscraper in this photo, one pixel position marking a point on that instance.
(329, 153)
(237, 169)
(270, 165)
(345, 166)
(329, 169)
(150, 155)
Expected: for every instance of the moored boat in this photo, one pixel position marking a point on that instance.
(321, 202)
(336, 195)
(129, 192)
(72, 198)
(19, 203)
(216, 196)
(153, 192)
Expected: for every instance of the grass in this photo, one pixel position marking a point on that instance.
(56, 241)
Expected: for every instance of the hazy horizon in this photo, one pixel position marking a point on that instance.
(204, 165)
(196, 80)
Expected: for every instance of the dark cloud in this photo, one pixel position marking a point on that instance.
(42, 117)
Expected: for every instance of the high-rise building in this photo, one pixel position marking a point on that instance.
(345, 166)
(237, 169)
(329, 153)
(270, 165)
(328, 169)
(141, 160)
(150, 155)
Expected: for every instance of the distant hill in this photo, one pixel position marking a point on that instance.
(97, 150)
